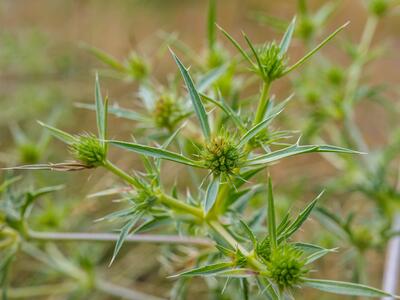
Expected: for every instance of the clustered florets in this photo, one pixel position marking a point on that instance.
(272, 62)
(221, 156)
(167, 112)
(88, 150)
(286, 266)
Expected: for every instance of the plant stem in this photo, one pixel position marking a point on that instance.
(353, 81)
(109, 237)
(253, 261)
(122, 174)
(41, 290)
(180, 206)
(263, 102)
(165, 199)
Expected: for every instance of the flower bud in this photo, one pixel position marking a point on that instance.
(167, 112)
(272, 62)
(88, 150)
(137, 66)
(378, 7)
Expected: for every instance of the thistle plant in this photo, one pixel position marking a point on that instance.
(227, 215)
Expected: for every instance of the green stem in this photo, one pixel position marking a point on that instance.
(165, 199)
(252, 260)
(353, 80)
(122, 174)
(111, 237)
(263, 102)
(180, 206)
(41, 290)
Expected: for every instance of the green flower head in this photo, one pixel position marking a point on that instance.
(88, 150)
(167, 112)
(272, 62)
(221, 155)
(286, 266)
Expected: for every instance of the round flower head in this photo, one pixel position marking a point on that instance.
(286, 267)
(137, 66)
(167, 112)
(88, 150)
(272, 62)
(29, 153)
(221, 155)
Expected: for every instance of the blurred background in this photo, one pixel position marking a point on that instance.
(45, 69)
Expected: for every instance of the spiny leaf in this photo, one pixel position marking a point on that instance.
(260, 66)
(124, 233)
(101, 117)
(117, 111)
(271, 216)
(248, 231)
(209, 78)
(318, 254)
(287, 37)
(312, 52)
(295, 150)
(237, 46)
(195, 97)
(156, 153)
(106, 58)
(255, 130)
(59, 134)
(345, 288)
(211, 193)
(301, 218)
(206, 270)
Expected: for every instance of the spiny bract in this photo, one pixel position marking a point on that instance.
(286, 266)
(221, 155)
(272, 62)
(167, 112)
(88, 150)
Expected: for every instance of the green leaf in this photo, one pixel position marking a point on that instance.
(59, 134)
(117, 111)
(226, 109)
(248, 231)
(237, 46)
(287, 37)
(101, 111)
(345, 288)
(156, 153)
(260, 66)
(271, 216)
(209, 270)
(211, 194)
(301, 218)
(295, 150)
(127, 229)
(255, 130)
(195, 97)
(312, 52)
(318, 254)
(209, 78)
(106, 58)
(212, 17)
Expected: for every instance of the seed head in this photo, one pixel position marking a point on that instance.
(272, 62)
(221, 155)
(167, 112)
(286, 266)
(88, 150)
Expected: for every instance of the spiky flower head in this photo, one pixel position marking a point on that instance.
(88, 150)
(221, 155)
(378, 7)
(286, 266)
(137, 66)
(29, 153)
(272, 62)
(167, 112)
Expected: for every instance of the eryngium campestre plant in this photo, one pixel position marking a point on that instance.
(220, 215)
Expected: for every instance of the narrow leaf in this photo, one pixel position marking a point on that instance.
(260, 66)
(287, 37)
(106, 58)
(345, 288)
(206, 270)
(211, 193)
(124, 233)
(301, 218)
(209, 78)
(271, 216)
(59, 134)
(101, 122)
(195, 97)
(317, 255)
(237, 46)
(155, 152)
(248, 232)
(312, 52)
